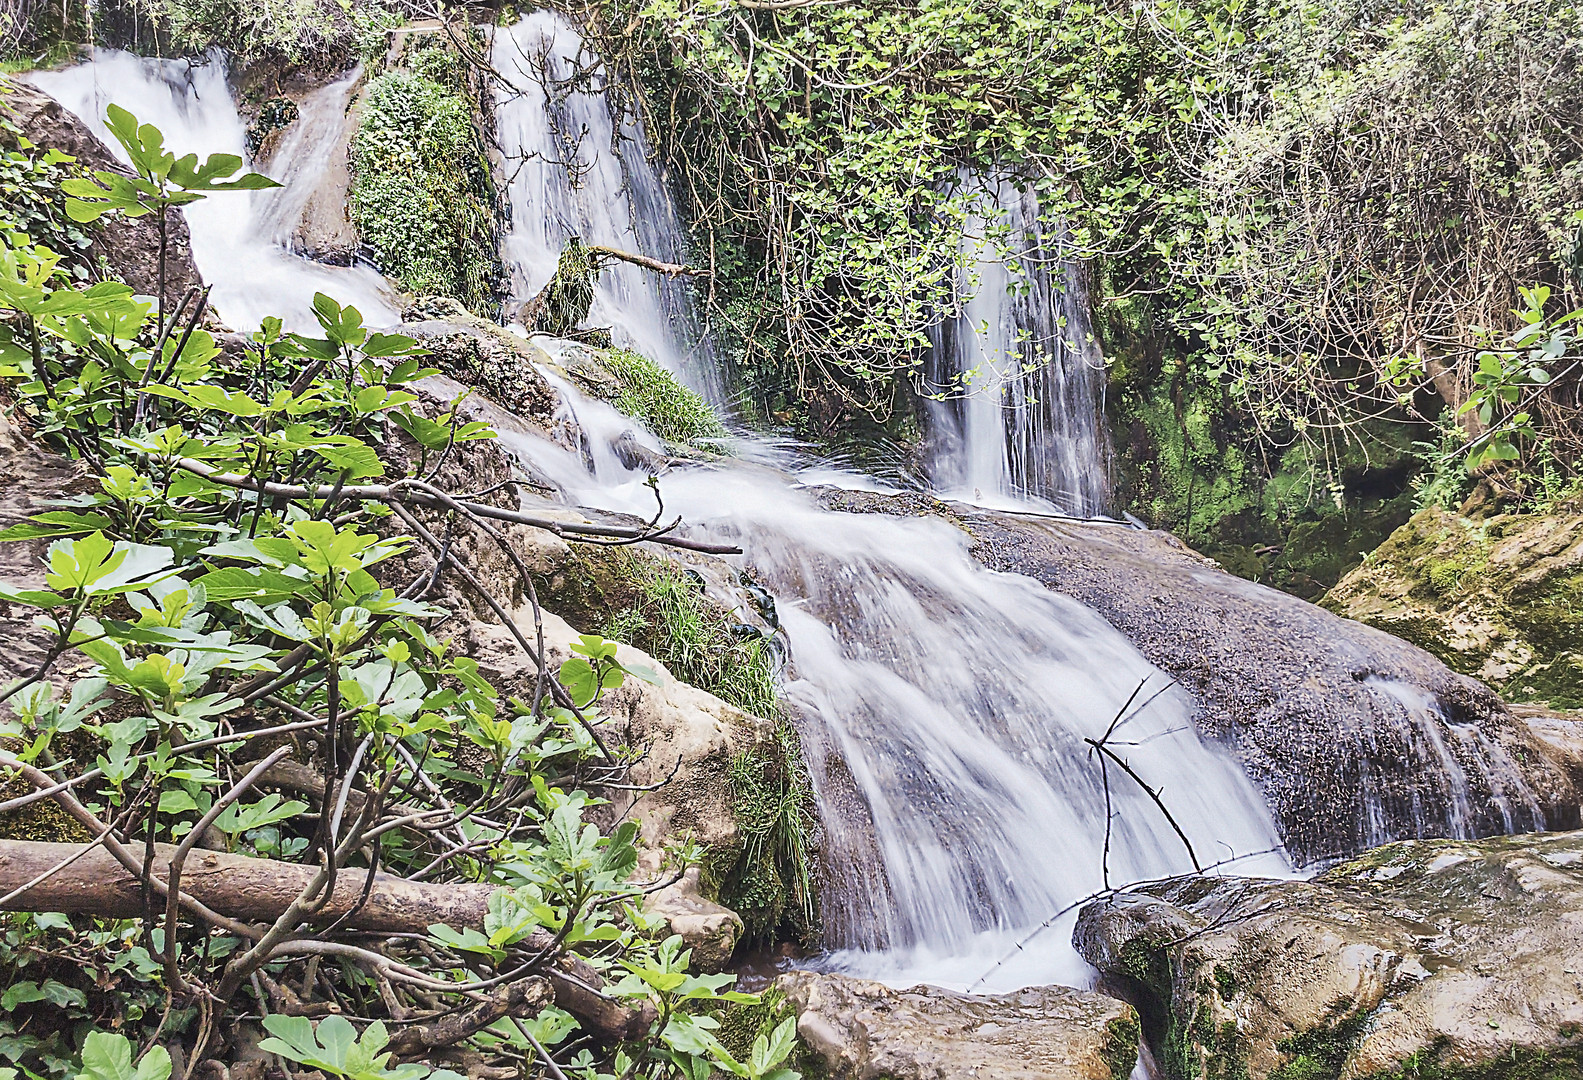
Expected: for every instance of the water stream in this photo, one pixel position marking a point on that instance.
(238, 241)
(1018, 364)
(573, 169)
(942, 706)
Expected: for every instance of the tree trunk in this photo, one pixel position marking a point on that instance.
(259, 890)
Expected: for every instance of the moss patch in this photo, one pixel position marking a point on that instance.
(768, 877)
(1515, 1064)
(653, 395)
(422, 197)
(1320, 1054)
(1501, 598)
(42, 821)
(1120, 1051)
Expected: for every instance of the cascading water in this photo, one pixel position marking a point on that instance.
(234, 241)
(574, 171)
(946, 706)
(1022, 376)
(942, 704)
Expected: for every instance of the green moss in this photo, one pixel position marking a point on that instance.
(1225, 982)
(564, 302)
(422, 197)
(42, 821)
(1120, 1050)
(660, 606)
(653, 395)
(767, 878)
(275, 114)
(1514, 1064)
(1321, 1053)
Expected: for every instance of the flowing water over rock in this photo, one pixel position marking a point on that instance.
(943, 705)
(943, 709)
(1023, 374)
(573, 170)
(234, 239)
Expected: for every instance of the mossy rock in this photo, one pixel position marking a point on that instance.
(1500, 599)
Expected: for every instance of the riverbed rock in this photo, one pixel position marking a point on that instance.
(864, 1030)
(1500, 599)
(1453, 957)
(125, 248)
(482, 355)
(29, 475)
(709, 929)
(1354, 737)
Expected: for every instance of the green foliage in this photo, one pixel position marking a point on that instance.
(421, 197)
(33, 204)
(653, 395)
(292, 30)
(176, 581)
(334, 1047)
(109, 1057)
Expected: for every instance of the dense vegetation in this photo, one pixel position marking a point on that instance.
(1303, 220)
(232, 592)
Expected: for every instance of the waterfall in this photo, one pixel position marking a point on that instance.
(943, 708)
(1017, 364)
(573, 169)
(234, 234)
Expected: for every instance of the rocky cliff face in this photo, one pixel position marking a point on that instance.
(1430, 958)
(1499, 599)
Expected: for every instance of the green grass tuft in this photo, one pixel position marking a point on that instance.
(653, 395)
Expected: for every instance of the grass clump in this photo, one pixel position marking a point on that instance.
(653, 395)
(768, 877)
(422, 198)
(670, 618)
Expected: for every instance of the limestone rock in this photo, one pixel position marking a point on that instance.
(1501, 599)
(867, 1031)
(482, 355)
(29, 475)
(708, 929)
(1464, 953)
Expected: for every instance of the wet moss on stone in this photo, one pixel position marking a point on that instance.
(1321, 1053)
(656, 397)
(768, 877)
(1120, 1050)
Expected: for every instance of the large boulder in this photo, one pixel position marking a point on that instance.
(127, 248)
(1353, 736)
(1442, 958)
(1500, 599)
(861, 1030)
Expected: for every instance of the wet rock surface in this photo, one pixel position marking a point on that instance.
(1426, 957)
(126, 247)
(1501, 599)
(1353, 736)
(29, 476)
(863, 1030)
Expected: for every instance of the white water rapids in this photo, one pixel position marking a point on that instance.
(942, 706)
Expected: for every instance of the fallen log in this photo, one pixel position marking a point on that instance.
(259, 890)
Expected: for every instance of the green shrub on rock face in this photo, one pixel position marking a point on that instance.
(653, 395)
(422, 197)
